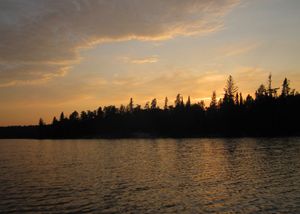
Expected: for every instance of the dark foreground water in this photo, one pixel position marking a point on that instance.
(150, 176)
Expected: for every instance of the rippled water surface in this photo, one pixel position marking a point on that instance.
(150, 176)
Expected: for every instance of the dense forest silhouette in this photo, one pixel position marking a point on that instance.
(272, 112)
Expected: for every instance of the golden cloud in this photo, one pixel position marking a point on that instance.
(141, 60)
(238, 48)
(44, 37)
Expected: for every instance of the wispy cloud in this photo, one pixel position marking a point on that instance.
(34, 74)
(238, 48)
(45, 36)
(250, 73)
(184, 80)
(141, 60)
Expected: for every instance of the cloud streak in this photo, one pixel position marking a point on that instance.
(238, 49)
(41, 38)
(141, 60)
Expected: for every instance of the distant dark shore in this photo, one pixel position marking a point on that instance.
(34, 132)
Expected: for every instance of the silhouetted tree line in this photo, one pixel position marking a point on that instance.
(270, 113)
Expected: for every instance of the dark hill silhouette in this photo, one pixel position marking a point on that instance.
(268, 114)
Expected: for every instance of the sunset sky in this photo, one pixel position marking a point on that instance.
(81, 54)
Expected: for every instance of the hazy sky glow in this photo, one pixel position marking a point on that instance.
(77, 55)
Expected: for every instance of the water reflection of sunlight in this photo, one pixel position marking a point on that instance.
(160, 175)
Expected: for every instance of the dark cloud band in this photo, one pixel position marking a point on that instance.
(43, 37)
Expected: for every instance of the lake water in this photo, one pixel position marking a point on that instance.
(150, 176)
